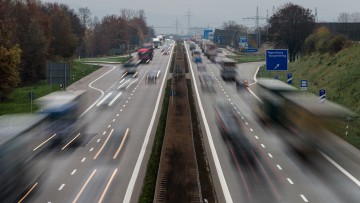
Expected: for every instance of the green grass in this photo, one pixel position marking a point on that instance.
(338, 74)
(115, 59)
(148, 190)
(19, 101)
(246, 58)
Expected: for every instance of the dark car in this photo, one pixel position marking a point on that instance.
(131, 68)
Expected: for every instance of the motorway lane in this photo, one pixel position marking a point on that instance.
(292, 180)
(88, 173)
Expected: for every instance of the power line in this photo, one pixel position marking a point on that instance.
(257, 19)
(188, 14)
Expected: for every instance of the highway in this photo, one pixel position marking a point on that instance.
(122, 112)
(109, 167)
(331, 175)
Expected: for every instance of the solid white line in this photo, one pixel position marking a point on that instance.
(136, 170)
(44, 142)
(73, 172)
(102, 93)
(115, 98)
(61, 187)
(304, 198)
(103, 99)
(219, 171)
(356, 181)
(290, 181)
(279, 167)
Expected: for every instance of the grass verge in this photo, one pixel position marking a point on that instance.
(117, 59)
(338, 74)
(20, 102)
(148, 190)
(246, 58)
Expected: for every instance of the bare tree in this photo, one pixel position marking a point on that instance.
(344, 17)
(85, 16)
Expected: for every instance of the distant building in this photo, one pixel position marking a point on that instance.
(350, 29)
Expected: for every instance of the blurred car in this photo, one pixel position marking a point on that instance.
(152, 76)
(130, 67)
(206, 82)
(231, 128)
(201, 67)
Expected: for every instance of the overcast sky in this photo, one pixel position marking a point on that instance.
(207, 13)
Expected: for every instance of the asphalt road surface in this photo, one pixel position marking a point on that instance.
(279, 175)
(122, 112)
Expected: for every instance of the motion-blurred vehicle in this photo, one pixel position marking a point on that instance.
(152, 76)
(228, 69)
(206, 82)
(302, 114)
(131, 67)
(64, 109)
(210, 51)
(192, 46)
(19, 165)
(196, 53)
(145, 55)
(201, 67)
(197, 59)
(230, 126)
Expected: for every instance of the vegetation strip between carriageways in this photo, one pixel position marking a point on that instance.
(148, 190)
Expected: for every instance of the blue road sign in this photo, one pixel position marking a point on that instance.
(289, 78)
(322, 95)
(277, 59)
(243, 39)
(303, 85)
(251, 50)
(206, 33)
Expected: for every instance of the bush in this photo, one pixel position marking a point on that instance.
(324, 41)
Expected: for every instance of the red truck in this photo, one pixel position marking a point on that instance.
(145, 55)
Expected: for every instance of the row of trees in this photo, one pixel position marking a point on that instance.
(32, 32)
(293, 27)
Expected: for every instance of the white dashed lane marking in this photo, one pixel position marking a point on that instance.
(290, 181)
(61, 187)
(304, 198)
(279, 167)
(73, 172)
